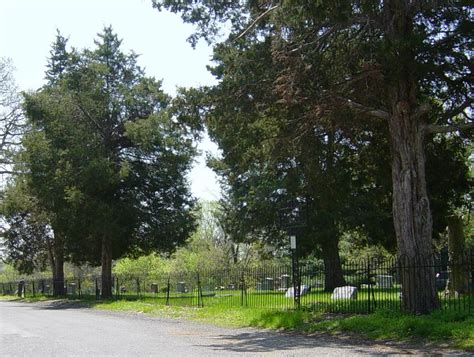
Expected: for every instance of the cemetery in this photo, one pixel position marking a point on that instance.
(365, 291)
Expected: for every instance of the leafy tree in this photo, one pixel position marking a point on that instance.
(265, 168)
(28, 240)
(107, 158)
(409, 67)
(11, 118)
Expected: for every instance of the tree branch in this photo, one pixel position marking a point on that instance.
(377, 113)
(436, 129)
(458, 110)
(252, 25)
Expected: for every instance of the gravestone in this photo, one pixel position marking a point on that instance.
(304, 289)
(21, 289)
(72, 288)
(181, 287)
(285, 281)
(268, 284)
(42, 288)
(344, 292)
(154, 288)
(384, 281)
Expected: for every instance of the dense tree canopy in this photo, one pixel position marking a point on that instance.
(404, 64)
(106, 157)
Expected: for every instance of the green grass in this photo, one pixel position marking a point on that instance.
(452, 328)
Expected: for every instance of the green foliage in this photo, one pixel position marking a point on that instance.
(27, 237)
(207, 249)
(150, 266)
(104, 157)
(281, 116)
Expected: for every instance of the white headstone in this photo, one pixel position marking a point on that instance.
(344, 292)
(384, 281)
(304, 289)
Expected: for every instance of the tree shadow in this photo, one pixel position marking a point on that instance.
(265, 341)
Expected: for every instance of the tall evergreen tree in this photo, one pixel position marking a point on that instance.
(403, 63)
(119, 158)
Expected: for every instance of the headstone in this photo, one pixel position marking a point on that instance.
(344, 292)
(21, 289)
(317, 284)
(285, 281)
(267, 284)
(154, 288)
(181, 287)
(304, 289)
(384, 281)
(72, 287)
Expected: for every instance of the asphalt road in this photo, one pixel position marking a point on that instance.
(55, 329)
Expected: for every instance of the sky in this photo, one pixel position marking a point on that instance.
(28, 28)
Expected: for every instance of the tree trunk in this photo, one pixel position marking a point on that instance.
(333, 276)
(411, 213)
(106, 278)
(411, 208)
(58, 266)
(458, 268)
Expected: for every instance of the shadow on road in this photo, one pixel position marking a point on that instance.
(266, 341)
(50, 304)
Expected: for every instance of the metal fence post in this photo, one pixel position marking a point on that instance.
(168, 292)
(243, 290)
(97, 292)
(199, 291)
(117, 289)
(296, 278)
(369, 284)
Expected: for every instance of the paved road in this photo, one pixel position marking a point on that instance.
(52, 329)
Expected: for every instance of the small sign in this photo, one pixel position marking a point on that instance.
(293, 242)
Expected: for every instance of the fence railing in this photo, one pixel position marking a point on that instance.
(368, 285)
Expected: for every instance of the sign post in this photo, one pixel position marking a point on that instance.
(291, 219)
(295, 272)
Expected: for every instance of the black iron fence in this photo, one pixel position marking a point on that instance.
(363, 286)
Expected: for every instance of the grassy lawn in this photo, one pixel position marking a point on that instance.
(453, 328)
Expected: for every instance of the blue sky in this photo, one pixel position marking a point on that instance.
(28, 27)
